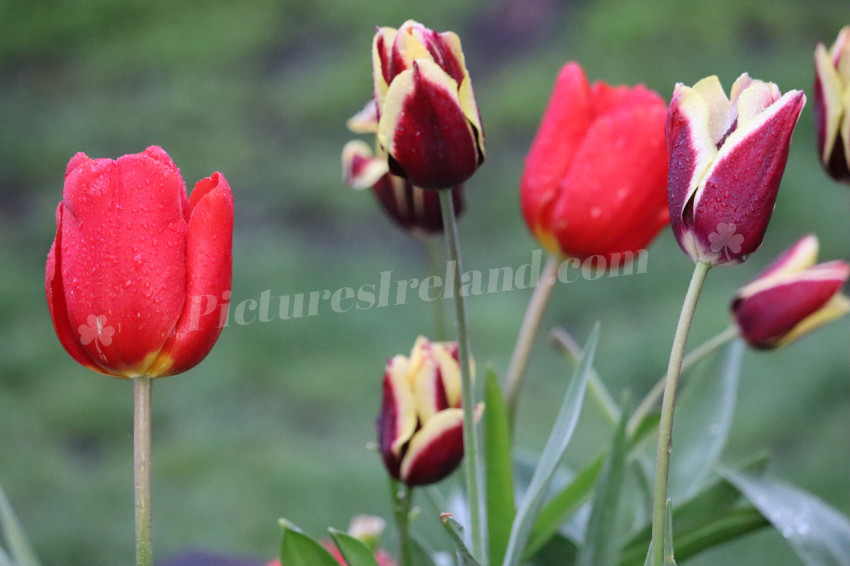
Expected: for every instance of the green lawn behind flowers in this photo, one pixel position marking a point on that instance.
(277, 420)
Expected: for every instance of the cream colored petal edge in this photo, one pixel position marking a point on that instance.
(837, 307)
(831, 88)
(694, 106)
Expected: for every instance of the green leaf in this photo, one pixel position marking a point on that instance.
(818, 533)
(562, 506)
(353, 550)
(17, 543)
(601, 547)
(553, 452)
(500, 480)
(703, 420)
(298, 549)
(4, 559)
(455, 531)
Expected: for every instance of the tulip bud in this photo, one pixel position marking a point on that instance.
(428, 121)
(791, 297)
(420, 427)
(727, 157)
(594, 180)
(412, 208)
(133, 253)
(832, 106)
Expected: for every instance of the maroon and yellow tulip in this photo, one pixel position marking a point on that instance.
(413, 209)
(832, 106)
(428, 121)
(727, 156)
(594, 180)
(420, 427)
(792, 297)
(133, 259)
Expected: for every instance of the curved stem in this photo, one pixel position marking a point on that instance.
(402, 498)
(142, 389)
(471, 444)
(527, 332)
(665, 427)
(698, 353)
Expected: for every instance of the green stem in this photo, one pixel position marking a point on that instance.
(648, 403)
(435, 262)
(402, 498)
(668, 404)
(142, 388)
(471, 443)
(527, 333)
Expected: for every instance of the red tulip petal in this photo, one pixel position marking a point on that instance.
(208, 278)
(55, 291)
(397, 420)
(613, 199)
(123, 254)
(553, 151)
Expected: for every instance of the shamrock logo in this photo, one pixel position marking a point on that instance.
(96, 330)
(726, 239)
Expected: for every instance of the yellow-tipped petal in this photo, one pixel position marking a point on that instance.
(833, 99)
(837, 307)
(721, 111)
(360, 169)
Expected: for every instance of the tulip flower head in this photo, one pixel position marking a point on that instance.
(136, 264)
(832, 106)
(428, 121)
(727, 157)
(420, 427)
(594, 180)
(792, 297)
(413, 209)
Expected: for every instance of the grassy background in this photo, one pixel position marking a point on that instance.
(276, 420)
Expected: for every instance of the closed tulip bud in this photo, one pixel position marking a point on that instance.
(139, 274)
(791, 297)
(428, 121)
(413, 209)
(420, 427)
(727, 157)
(594, 180)
(832, 106)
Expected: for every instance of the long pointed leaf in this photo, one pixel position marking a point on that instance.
(501, 507)
(298, 549)
(353, 550)
(455, 531)
(553, 452)
(818, 533)
(601, 547)
(705, 418)
(17, 543)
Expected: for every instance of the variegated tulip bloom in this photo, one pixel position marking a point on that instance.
(726, 160)
(428, 121)
(832, 106)
(420, 427)
(791, 297)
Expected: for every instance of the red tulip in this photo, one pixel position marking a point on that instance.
(792, 297)
(414, 209)
(428, 120)
(832, 106)
(135, 263)
(727, 156)
(594, 180)
(420, 427)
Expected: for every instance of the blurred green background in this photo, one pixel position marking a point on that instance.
(276, 421)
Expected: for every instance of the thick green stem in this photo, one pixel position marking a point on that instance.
(402, 498)
(527, 332)
(142, 388)
(668, 404)
(471, 443)
(648, 403)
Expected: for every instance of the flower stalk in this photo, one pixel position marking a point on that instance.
(527, 333)
(668, 403)
(142, 393)
(473, 472)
